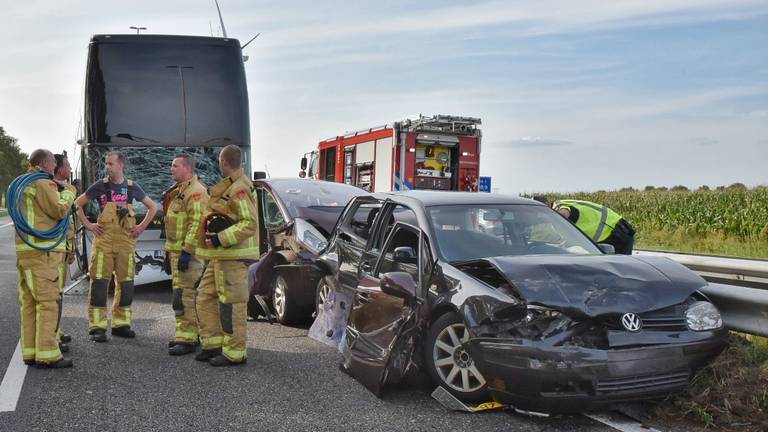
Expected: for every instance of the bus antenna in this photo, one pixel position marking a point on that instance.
(221, 20)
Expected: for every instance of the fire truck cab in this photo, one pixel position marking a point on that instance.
(440, 152)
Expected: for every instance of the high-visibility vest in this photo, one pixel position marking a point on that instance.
(596, 221)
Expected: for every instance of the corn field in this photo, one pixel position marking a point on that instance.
(735, 213)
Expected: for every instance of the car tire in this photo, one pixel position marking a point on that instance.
(285, 308)
(452, 370)
(324, 287)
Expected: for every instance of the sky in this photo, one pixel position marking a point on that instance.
(573, 95)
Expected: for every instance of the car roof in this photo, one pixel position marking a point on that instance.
(435, 198)
(282, 182)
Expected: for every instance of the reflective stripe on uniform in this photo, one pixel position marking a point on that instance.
(212, 342)
(601, 226)
(98, 321)
(186, 335)
(99, 265)
(52, 355)
(194, 226)
(118, 322)
(228, 253)
(131, 268)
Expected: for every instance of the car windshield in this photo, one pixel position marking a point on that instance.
(469, 232)
(297, 194)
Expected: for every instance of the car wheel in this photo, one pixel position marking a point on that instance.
(286, 310)
(449, 362)
(324, 288)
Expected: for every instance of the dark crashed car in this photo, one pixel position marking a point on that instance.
(533, 312)
(296, 216)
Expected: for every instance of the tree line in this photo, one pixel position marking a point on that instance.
(13, 162)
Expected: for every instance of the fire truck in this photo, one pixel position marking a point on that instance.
(440, 152)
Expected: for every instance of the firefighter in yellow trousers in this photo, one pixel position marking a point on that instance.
(114, 246)
(184, 206)
(231, 247)
(61, 174)
(40, 271)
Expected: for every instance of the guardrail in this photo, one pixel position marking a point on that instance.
(738, 287)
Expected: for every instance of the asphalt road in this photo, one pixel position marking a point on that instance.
(289, 383)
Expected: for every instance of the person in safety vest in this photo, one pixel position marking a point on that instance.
(114, 246)
(40, 272)
(61, 174)
(600, 223)
(184, 206)
(231, 245)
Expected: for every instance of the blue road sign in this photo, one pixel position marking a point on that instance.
(485, 184)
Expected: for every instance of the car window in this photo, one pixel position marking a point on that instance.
(468, 232)
(401, 253)
(359, 223)
(399, 213)
(273, 217)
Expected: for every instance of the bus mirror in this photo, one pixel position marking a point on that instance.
(303, 163)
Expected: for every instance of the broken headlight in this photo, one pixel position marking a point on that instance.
(309, 236)
(703, 316)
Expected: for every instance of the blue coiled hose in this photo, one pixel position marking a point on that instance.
(15, 200)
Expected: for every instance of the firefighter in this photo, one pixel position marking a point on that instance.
(223, 293)
(600, 223)
(114, 246)
(40, 271)
(61, 174)
(183, 207)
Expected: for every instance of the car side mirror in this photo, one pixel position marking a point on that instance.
(399, 284)
(303, 163)
(259, 175)
(405, 254)
(607, 248)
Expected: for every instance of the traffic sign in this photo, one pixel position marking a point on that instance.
(484, 184)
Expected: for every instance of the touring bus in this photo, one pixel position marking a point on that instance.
(152, 97)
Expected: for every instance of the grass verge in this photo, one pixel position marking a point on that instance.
(731, 394)
(714, 243)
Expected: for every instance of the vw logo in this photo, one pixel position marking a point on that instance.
(631, 322)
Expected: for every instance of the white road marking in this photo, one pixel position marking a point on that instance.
(10, 389)
(619, 423)
(6, 225)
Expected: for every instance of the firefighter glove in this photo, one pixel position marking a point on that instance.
(184, 261)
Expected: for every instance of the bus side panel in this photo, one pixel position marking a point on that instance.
(469, 163)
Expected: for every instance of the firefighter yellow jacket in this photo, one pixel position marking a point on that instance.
(44, 206)
(233, 196)
(186, 208)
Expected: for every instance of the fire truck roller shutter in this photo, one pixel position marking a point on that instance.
(383, 168)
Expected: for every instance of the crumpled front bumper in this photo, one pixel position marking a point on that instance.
(557, 379)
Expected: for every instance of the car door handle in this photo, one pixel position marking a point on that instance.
(365, 266)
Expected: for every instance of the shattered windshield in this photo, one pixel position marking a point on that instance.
(469, 232)
(151, 168)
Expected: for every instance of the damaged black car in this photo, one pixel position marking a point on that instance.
(295, 219)
(530, 313)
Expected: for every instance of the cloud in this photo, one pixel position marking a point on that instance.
(529, 142)
(758, 114)
(704, 141)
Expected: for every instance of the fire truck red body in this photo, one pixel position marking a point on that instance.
(437, 153)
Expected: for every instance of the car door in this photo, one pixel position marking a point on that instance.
(352, 238)
(383, 327)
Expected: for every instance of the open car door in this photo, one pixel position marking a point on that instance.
(388, 312)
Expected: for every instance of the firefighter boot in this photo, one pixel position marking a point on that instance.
(207, 354)
(181, 349)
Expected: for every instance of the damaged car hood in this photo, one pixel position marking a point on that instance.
(594, 285)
